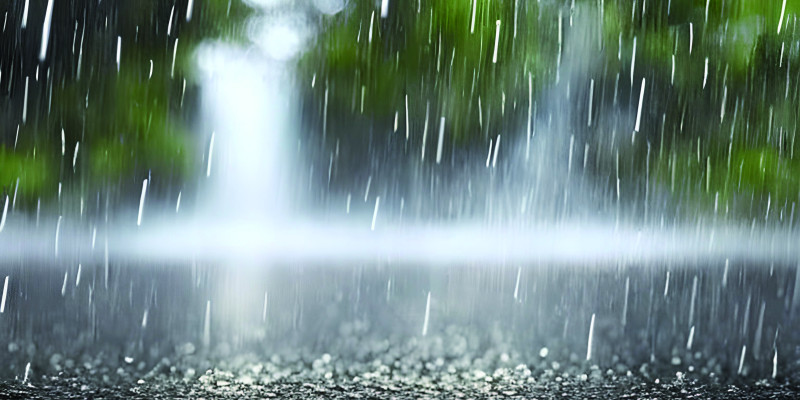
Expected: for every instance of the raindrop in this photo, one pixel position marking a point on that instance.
(489, 155)
(496, 150)
(441, 142)
(28, 365)
(474, 11)
(693, 301)
(5, 293)
(425, 130)
(3, 217)
(169, 24)
(210, 154)
(141, 203)
(705, 73)
(375, 212)
(625, 304)
(64, 284)
(25, 102)
(639, 109)
(366, 191)
(58, 230)
(384, 8)
(207, 326)
(741, 360)
(775, 362)
(48, 18)
(633, 59)
(407, 124)
(75, 155)
(427, 315)
(174, 55)
(25, 15)
(264, 312)
(589, 341)
(496, 42)
(725, 274)
(780, 21)
(119, 50)
(591, 99)
(189, 8)
(371, 22)
(530, 117)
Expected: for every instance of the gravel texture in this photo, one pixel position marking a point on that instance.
(254, 381)
(340, 333)
(440, 366)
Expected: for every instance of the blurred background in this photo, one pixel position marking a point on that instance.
(400, 192)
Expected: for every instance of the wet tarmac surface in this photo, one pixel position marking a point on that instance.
(426, 368)
(497, 333)
(226, 385)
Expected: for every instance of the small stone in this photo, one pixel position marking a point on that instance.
(186, 349)
(543, 352)
(55, 359)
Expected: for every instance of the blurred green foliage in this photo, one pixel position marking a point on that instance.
(728, 68)
(433, 53)
(30, 172)
(722, 85)
(722, 80)
(128, 115)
